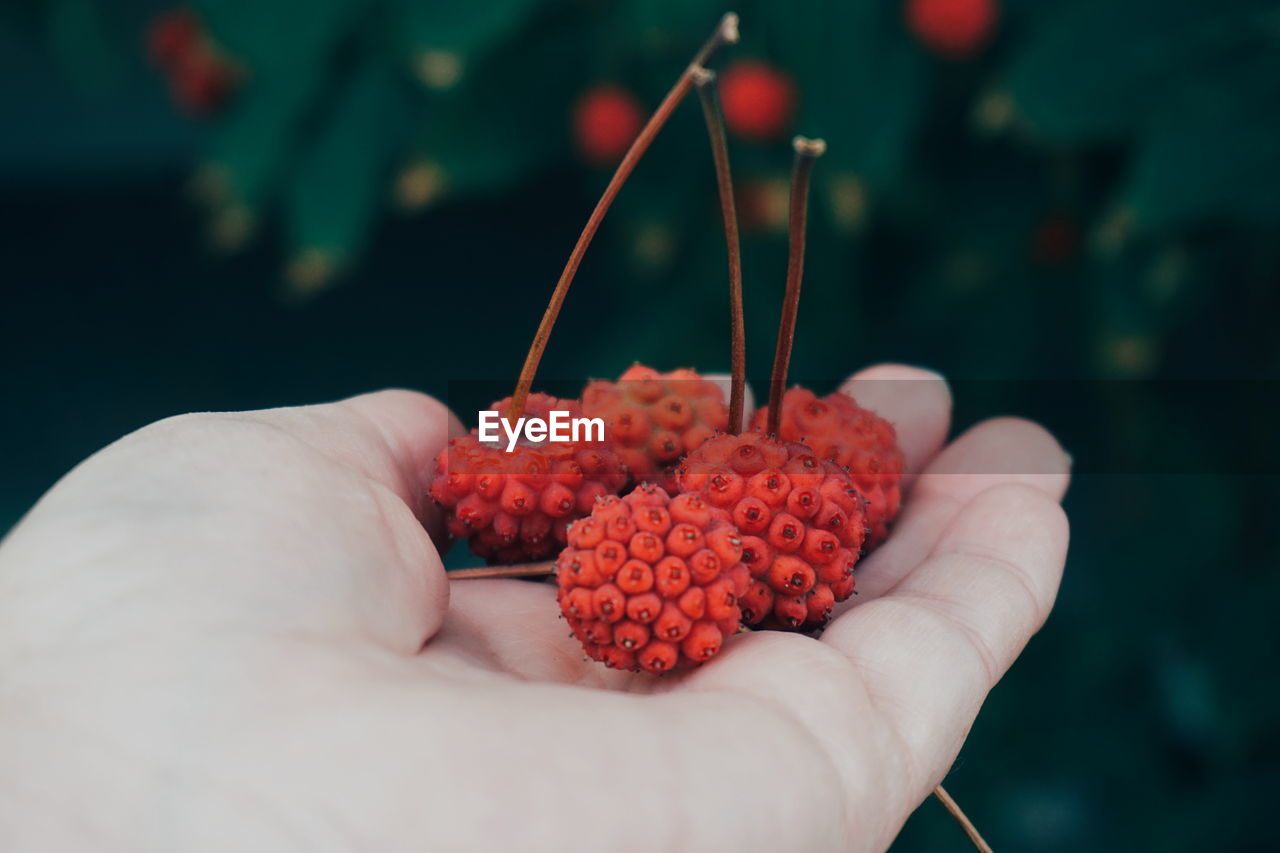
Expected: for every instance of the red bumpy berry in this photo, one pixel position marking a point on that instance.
(653, 419)
(652, 582)
(515, 507)
(837, 428)
(606, 120)
(952, 28)
(801, 520)
(758, 100)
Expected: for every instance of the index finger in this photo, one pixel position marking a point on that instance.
(391, 437)
(933, 646)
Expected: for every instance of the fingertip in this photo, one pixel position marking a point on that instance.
(1035, 440)
(896, 370)
(392, 436)
(415, 426)
(408, 410)
(1019, 527)
(1010, 512)
(1030, 433)
(1002, 450)
(917, 401)
(994, 454)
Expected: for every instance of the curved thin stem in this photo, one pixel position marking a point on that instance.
(726, 33)
(708, 94)
(807, 150)
(535, 570)
(961, 818)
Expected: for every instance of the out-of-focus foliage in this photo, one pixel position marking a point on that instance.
(1112, 126)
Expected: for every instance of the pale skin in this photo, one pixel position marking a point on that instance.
(232, 632)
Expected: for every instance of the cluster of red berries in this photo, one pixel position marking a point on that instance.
(201, 77)
(719, 530)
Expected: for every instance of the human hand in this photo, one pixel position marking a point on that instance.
(232, 631)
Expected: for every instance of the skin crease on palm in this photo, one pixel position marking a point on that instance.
(232, 632)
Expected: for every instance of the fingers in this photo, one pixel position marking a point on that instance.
(933, 646)
(825, 711)
(374, 557)
(995, 452)
(391, 437)
(754, 752)
(999, 451)
(916, 401)
(296, 520)
(514, 626)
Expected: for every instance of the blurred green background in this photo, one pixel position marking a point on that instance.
(1077, 217)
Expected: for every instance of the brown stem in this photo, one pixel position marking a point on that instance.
(807, 150)
(535, 570)
(726, 33)
(966, 824)
(708, 93)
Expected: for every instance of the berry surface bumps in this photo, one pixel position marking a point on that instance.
(837, 428)
(653, 419)
(650, 582)
(800, 517)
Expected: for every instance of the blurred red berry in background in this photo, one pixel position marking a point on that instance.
(759, 101)
(202, 82)
(172, 35)
(606, 120)
(955, 29)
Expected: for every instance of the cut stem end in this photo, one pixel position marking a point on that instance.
(807, 150)
(726, 32)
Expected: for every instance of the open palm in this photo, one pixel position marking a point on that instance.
(232, 631)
